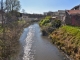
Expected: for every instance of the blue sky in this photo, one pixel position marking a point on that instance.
(40, 6)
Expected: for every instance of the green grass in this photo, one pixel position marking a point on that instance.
(68, 39)
(73, 31)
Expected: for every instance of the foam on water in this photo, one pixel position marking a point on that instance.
(28, 44)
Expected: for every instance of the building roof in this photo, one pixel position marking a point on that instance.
(78, 6)
(73, 12)
(61, 11)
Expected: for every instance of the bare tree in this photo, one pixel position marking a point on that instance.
(7, 9)
(12, 5)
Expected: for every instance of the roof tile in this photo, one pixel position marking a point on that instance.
(73, 12)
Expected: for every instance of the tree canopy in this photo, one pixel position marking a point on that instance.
(12, 5)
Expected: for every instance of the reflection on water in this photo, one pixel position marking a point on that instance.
(28, 44)
(35, 47)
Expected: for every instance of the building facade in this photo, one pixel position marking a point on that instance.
(72, 17)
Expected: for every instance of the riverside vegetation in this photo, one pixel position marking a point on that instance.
(48, 25)
(67, 38)
(10, 42)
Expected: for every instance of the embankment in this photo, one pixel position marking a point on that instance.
(67, 38)
(9, 43)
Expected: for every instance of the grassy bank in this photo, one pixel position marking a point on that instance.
(9, 45)
(68, 39)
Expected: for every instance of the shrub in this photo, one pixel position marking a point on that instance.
(56, 23)
(45, 21)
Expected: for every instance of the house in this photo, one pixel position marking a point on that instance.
(61, 14)
(56, 14)
(30, 17)
(50, 13)
(76, 7)
(72, 17)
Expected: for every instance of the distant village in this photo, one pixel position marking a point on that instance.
(69, 17)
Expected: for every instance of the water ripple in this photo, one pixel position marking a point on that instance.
(28, 44)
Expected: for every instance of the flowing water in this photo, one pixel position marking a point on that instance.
(36, 47)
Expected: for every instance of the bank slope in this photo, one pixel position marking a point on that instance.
(68, 39)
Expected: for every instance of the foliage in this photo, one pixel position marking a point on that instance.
(68, 40)
(11, 5)
(45, 21)
(56, 23)
(48, 25)
(74, 31)
(10, 42)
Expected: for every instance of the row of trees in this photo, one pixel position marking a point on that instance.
(8, 7)
(9, 10)
(11, 5)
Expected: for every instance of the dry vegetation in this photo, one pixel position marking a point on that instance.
(9, 43)
(68, 39)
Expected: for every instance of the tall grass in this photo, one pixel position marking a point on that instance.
(68, 40)
(74, 31)
(9, 46)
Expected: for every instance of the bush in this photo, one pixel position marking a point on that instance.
(56, 23)
(45, 21)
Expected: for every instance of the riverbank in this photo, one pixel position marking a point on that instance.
(9, 43)
(67, 39)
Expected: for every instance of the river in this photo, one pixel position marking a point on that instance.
(36, 47)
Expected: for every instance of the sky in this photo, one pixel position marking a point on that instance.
(40, 6)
